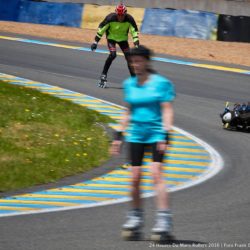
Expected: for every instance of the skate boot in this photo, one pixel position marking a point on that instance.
(103, 81)
(163, 227)
(131, 230)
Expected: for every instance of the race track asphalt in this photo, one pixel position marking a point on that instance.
(215, 213)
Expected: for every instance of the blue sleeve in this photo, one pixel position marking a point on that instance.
(167, 91)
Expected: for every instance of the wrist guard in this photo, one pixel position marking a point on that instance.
(118, 136)
(136, 43)
(97, 39)
(167, 138)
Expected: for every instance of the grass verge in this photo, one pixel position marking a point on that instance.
(44, 138)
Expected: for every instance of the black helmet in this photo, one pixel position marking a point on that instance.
(141, 51)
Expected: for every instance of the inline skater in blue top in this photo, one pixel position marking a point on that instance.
(147, 122)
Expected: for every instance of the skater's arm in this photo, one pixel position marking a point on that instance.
(100, 32)
(125, 120)
(167, 120)
(117, 142)
(167, 92)
(167, 115)
(103, 26)
(134, 35)
(134, 30)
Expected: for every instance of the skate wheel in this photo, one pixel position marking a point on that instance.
(126, 234)
(161, 237)
(104, 85)
(130, 235)
(156, 237)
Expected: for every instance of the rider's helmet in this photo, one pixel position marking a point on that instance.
(120, 9)
(243, 107)
(227, 117)
(141, 51)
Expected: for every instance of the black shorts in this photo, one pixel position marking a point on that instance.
(136, 153)
(124, 45)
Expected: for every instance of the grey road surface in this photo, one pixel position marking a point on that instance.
(214, 214)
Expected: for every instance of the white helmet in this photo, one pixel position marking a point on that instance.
(227, 117)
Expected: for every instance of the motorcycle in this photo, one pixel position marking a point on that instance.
(237, 118)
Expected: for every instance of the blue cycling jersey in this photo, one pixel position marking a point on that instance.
(145, 107)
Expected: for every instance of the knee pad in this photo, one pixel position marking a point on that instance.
(112, 55)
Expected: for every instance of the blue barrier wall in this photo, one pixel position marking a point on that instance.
(9, 10)
(165, 22)
(66, 14)
(181, 23)
(194, 24)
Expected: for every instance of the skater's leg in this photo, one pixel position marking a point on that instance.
(163, 215)
(136, 151)
(111, 57)
(125, 49)
(159, 186)
(130, 68)
(158, 180)
(132, 228)
(135, 186)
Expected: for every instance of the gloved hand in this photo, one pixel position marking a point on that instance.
(136, 43)
(93, 46)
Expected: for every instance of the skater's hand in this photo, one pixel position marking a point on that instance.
(115, 147)
(93, 46)
(161, 146)
(136, 43)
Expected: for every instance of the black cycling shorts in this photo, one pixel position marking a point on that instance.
(124, 45)
(136, 153)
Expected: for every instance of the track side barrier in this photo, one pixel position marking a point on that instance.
(165, 22)
(65, 14)
(180, 23)
(234, 28)
(9, 10)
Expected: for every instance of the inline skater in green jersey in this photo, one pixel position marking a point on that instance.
(116, 26)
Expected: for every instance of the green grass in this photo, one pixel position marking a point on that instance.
(43, 138)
